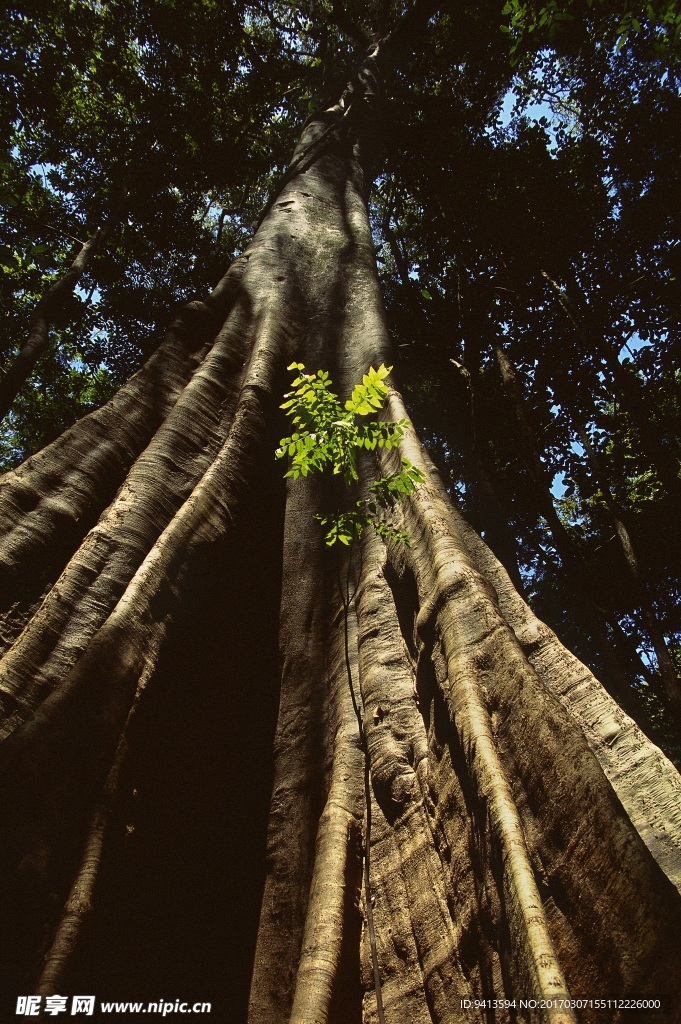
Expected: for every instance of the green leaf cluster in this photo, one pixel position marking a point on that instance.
(329, 436)
(329, 433)
(661, 19)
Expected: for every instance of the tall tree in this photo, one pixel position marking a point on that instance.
(524, 836)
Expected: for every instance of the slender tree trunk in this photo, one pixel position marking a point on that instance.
(498, 532)
(629, 390)
(43, 316)
(593, 595)
(665, 663)
(524, 837)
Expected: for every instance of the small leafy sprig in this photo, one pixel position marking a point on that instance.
(329, 435)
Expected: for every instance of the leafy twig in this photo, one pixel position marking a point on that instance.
(330, 434)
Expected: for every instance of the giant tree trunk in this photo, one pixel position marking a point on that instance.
(525, 838)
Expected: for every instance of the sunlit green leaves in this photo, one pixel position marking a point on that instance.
(329, 433)
(368, 397)
(329, 437)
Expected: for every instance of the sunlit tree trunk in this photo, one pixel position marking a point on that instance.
(524, 836)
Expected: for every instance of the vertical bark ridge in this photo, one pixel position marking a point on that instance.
(397, 747)
(474, 880)
(645, 781)
(159, 481)
(430, 851)
(336, 881)
(302, 762)
(50, 502)
(468, 643)
(457, 819)
(52, 765)
(401, 971)
(512, 728)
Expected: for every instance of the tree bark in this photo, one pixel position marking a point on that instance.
(525, 838)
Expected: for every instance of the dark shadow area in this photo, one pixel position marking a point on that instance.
(178, 900)
(406, 597)
(346, 1001)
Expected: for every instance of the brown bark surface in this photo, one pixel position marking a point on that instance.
(525, 837)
